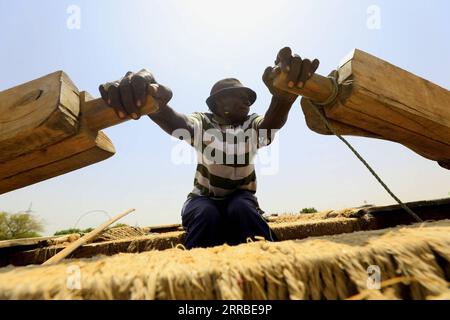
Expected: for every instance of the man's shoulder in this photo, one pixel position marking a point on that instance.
(196, 115)
(201, 115)
(251, 119)
(202, 119)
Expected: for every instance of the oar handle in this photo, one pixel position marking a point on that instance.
(318, 88)
(99, 115)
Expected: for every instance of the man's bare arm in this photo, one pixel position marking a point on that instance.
(277, 113)
(169, 120)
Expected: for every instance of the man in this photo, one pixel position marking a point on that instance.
(222, 208)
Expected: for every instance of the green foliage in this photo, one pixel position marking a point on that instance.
(19, 225)
(72, 230)
(118, 225)
(308, 210)
(77, 230)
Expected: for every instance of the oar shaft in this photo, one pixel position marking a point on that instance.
(318, 88)
(99, 115)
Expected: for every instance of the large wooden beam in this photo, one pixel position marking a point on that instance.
(379, 100)
(37, 114)
(48, 128)
(85, 148)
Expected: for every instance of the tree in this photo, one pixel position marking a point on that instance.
(119, 225)
(3, 229)
(308, 210)
(77, 230)
(72, 230)
(19, 225)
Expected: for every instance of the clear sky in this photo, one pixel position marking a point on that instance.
(189, 45)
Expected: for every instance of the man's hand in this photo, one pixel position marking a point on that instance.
(129, 94)
(299, 71)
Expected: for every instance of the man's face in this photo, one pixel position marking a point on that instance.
(233, 106)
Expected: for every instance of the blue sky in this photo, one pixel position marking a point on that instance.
(189, 45)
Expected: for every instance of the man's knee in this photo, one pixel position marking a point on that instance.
(201, 213)
(247, 221)
(240, 208)
(203, 222)
(208, 214)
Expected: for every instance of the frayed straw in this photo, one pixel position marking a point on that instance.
(332, 267)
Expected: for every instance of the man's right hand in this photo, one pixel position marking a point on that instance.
(128, 95)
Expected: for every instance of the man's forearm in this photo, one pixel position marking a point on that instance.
(277, 114)
(169, 120)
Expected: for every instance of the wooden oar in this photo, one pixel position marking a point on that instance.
(48, 128)
(380, 100)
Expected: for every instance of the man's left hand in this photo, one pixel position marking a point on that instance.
(299, 71)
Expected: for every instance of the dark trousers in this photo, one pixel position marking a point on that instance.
(211, 222)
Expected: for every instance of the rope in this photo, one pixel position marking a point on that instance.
(328, 125)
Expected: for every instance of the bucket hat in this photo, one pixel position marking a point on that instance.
(228, 85)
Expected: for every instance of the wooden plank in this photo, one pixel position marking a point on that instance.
(164, 228)
(393, 215)
(37, 241)
(65, 149)
(80, 150)
(399, 90)
(37, 114)
(24, 242)
(386, 115)
(315, 124)
(380, 100)
(350, 113)
(48, 128)
(343, 117)
(395, 104)
(92, 150)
